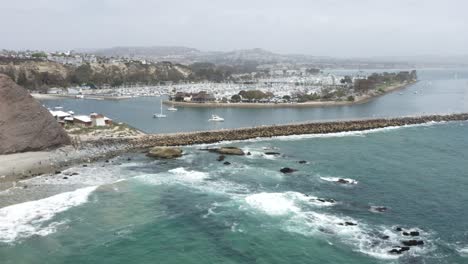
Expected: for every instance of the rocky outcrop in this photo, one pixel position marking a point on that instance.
(287, 170)
(25, 125)
(165, 153)
(228, 151)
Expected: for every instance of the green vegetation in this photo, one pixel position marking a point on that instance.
(39, 55)
(254, 95)
(380, 81)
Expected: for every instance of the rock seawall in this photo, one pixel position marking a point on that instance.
(206, 137)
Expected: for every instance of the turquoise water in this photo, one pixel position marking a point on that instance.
(197, 210)
(438, 92)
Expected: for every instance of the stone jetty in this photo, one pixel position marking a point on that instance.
(206, 137)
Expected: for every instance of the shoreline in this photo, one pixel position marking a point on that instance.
(25, 165)
(359, 100)
(90, 97)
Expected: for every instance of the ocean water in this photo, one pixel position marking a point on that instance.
(197, 210)
(439, 91)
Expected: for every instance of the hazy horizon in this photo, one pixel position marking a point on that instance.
(335, 28)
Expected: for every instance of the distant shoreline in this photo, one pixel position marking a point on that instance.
(86, 97)
(358, 100)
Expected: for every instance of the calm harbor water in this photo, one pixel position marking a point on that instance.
(197, 210)
(440, 91)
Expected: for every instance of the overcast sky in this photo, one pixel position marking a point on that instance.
(317, 27)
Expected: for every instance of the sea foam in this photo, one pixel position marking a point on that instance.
(299, 216)
(31, 218)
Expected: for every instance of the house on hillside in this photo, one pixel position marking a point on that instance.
(98, 120)
(59, 115)
(82, 120)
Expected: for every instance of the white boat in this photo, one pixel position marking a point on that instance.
(215, 118)
(160, 115)
(172, 108)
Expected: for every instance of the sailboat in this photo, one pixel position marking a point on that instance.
(160, 115)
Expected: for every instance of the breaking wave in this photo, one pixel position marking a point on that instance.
(32, 218)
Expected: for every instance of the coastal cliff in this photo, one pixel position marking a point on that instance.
(25, 125)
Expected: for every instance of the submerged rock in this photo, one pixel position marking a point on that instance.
(165, 153)
(378, 209)
(221, 158)
(411, 233)
(302, 162)
(399, 250)
(412, 242)
(287, 170)
(227, 163)
(270, 153)
(230, 151)
(348, 224)
(325, 200)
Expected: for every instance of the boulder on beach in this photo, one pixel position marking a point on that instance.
(228, 151)
(25, 125)
(165, 153)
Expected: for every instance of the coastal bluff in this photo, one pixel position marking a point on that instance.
(207, 137)
(25, 125)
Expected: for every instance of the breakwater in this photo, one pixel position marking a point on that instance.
(206, 137)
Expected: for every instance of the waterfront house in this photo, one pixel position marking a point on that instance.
(203, 97)
(98, 120)
(59, 115)
(82, 120)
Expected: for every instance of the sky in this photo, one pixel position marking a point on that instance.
(339, 28)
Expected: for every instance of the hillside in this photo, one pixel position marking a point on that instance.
(24, 124)
(37, 75)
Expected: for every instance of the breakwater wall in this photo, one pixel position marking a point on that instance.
(206, 137)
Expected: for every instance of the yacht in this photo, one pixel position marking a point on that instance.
(160, 115)
(215, 118)
(172, 108)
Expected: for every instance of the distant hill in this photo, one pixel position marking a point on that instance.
(147, 52)
(249, 57)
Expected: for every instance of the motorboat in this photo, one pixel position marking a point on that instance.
(172, 108)
(216, 118)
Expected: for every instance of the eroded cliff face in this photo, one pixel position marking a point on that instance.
(25, 125)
